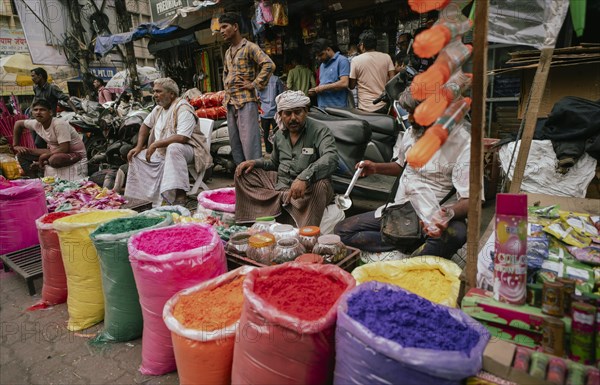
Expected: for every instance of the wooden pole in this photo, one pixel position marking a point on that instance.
(536, 91)
(480, 45)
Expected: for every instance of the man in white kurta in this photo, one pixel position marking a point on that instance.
(174, 140)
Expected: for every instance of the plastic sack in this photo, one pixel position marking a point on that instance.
(122, 311)
(161, 210)
(214, 113)
(208, 100)
(85, 302)
(54, 289)
(21, 203)
(203, 357)
(366, 358)
(265, 11)
(223, 218)
(159, 276)
(222, 199)
(274, 347)
(433, 278)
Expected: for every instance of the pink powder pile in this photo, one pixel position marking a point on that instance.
(173, 239)
(225, 197)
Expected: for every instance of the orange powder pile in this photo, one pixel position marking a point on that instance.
(210, 310)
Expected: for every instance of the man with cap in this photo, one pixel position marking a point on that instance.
(246, 69)
(297, 177)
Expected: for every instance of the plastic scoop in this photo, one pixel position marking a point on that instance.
(343, 201)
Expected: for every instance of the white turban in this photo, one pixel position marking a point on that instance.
(288, 100)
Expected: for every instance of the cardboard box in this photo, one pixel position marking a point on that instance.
(480, 304)
(582, 80)
(497, 359)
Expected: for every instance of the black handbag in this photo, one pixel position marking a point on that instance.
(400, 224)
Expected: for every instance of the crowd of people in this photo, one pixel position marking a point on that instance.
(292, 181)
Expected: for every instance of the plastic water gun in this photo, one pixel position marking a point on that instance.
(451, 58)
(433, 107)
(429, 42)
(422, 6)
(436, 136)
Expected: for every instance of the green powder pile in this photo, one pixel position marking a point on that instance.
(124, 225)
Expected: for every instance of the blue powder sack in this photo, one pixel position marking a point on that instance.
(387, 335)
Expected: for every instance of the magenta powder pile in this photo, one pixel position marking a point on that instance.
(410, 320)
(225, 197)
(173, 239)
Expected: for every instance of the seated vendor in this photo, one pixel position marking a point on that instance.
(64, 145)
(297, 176)
(169, 140)
(446, 175)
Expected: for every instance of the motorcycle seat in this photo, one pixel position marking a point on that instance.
(380, 123)
(351, 131)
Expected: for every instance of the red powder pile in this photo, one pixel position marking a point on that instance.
(225, 197)
(50, 218)
(173, 239)
(304, 294)
(210, 310)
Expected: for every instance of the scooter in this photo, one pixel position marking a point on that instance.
(361, 135)
(220, 148)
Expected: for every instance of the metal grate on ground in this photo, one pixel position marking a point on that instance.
(25, 262)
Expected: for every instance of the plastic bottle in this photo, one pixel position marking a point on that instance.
(451, 58)
(431, 109)
(429, 42)
(436, 136)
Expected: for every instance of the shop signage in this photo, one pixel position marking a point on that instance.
(12, 41)
(105, 73)
(161, 9)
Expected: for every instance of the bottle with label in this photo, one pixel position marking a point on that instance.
(428, 111)
(429, 42)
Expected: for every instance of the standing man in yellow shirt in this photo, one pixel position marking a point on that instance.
(247, 69)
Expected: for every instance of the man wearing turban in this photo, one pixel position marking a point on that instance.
(297, 177)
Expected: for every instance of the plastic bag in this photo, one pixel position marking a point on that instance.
(366, 358)
(21, 203)
(159, 276)
(265, 11)
(214, 113)
(208, 100)
(215, 217)
(203, 357)
(85, 302)
(122, 312)
(222, 199)
(433, 278)
(280, 17)
(274, 347)
(10, 166)
(162, 210)
(54, 290)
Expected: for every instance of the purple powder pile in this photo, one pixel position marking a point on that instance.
(410, 320)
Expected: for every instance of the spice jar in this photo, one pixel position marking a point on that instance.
(331, 248)
(287, 250)
(569, 290)
(262, 225)
(238, 243)
(553, 299)
(283, 232)
(553, 336)
(309, 236)
(260, 247)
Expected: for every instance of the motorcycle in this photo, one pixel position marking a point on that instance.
(220, 148)
(361, 135)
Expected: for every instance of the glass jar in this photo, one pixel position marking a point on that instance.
(262, 225)
(284, 232)
(310, 258)
(331, 248)
(238, 243)
(308, 237)
(287, 249)
(260, 247)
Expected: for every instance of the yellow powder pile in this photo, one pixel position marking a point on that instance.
(209, 310)
(430, 284)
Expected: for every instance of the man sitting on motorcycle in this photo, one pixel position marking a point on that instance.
(297, 177)
(448, 169)
(65, 147)
(172, 139)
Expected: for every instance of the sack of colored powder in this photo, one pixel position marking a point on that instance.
(122, 311)
(222, 199)
(433, 278)
(21, 203)
(162, 210)
(387, 335)
(85, 302)
(165, 261)
(203, 320)
(54, 289)
(287, 328)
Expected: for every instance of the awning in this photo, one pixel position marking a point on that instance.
(155, 46)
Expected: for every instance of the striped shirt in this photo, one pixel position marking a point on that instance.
(245, 63)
